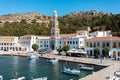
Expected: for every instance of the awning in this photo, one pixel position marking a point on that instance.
(75, 51)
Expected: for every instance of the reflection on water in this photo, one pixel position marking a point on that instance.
(32, 64)
(37, 68)
(15, 63)
(55, 67)
(32, 67)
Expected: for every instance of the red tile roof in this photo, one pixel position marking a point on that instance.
(105, 38)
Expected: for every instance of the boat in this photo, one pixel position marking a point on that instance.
(71, 71)
(1, 77)
(20, 78)
(86, 68)
(43, 78)
(33, 57)
(53, 60)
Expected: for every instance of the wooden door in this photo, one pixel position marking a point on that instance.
(114, 55)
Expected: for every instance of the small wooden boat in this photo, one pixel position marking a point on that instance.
(43, 78)
(71, 71)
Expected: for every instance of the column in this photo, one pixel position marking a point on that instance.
(93, 47)
(101, 43)
(116, 55)
(111, 44)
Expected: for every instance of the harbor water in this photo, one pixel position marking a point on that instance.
(39, 68)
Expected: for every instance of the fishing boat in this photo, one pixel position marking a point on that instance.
(86, 68)
(43, 78)
(1, 77)
(53, 60)
(20, 78)
(71, 71)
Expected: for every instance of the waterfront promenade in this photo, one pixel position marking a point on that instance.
(99, 75)
(103, 74)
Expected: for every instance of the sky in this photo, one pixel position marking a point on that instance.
(61, 6)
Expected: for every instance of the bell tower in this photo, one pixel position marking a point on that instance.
(55, 28)
(55, 31)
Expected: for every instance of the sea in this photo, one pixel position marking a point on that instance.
(17, 66)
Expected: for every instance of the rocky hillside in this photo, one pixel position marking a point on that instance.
(90, 13)
(36, 23)
(41, 17)
(27, 16)
(96, 20)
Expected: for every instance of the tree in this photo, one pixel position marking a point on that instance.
(59, 50)
(23, 22)
(96, 52)
(35, 47)
(106, 51)
(66, 48)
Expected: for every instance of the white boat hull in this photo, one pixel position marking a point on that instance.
(20, 78)
(71, 72)
(1, 77)
(43, 78)
(33, 57)
(86, 68)
(54, 60)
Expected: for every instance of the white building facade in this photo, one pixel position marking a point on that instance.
(113, 43)
(73, 42)
(44, 42)
(9, 43)
(100, 34)
(28, 41)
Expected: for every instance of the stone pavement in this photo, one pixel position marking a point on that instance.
(103, 74)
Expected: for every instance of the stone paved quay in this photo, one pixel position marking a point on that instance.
(103, 74)
(99, 75)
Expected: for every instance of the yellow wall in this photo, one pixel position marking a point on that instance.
(6, 39)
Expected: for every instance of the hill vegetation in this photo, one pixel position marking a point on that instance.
(41, 24)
